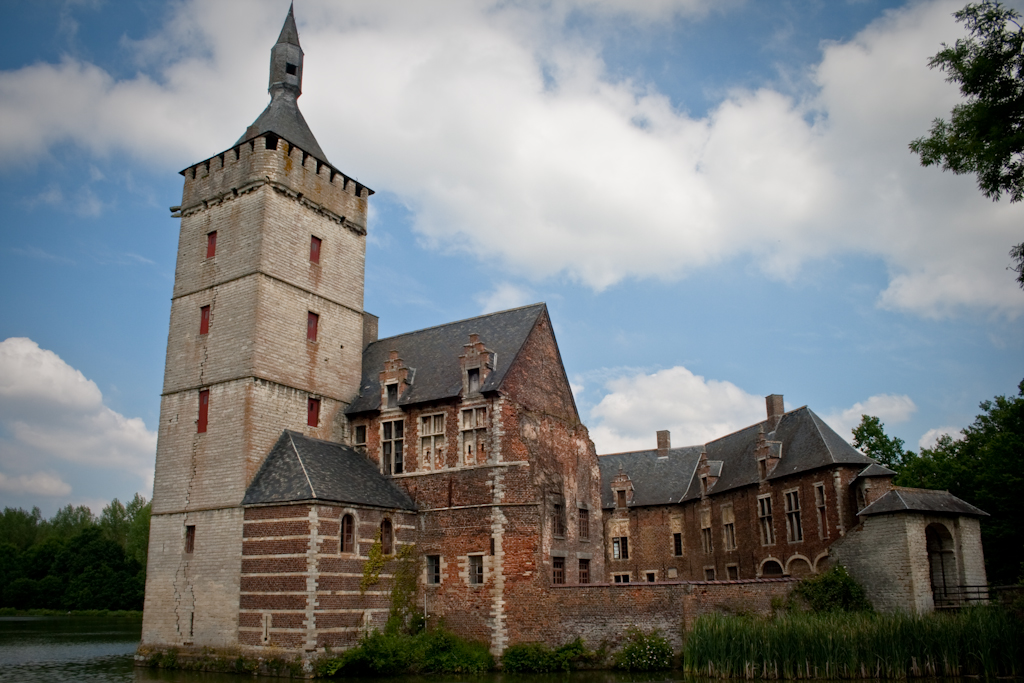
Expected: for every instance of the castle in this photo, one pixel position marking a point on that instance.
(293, 441)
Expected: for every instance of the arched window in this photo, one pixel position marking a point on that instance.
(771, 568)
(348, 534)
(387, 538)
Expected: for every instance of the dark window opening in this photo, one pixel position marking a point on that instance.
(348, 534)
(312, 324)
(360, 437)
(211, 244)
(387, 541)
(677, 545)
(433, 569)
(733, 572)
(492, 545)
(204, 320)
(291, 69)
(651, 577)
(620, 498)
(392, 443)
(190, 538)
(392, 395)
(620, 548)
(584, 524)
(558, 520)
(709, 574)
(557, 570)
(204, 410)
(271, 141)
(476, 569)
(584, 571)
(314, 249)
(474, 379)
(771, 568)
(622, 578)
(313, 413)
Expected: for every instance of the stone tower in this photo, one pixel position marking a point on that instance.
(266, 333)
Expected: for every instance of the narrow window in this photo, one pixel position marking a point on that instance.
(211, 244)
(705, 531)
(476, 569)
(709, 574)
(474, 435)
(432, 453)
(474, 380)
(314, 249)
(732, 572)
(360, 436)
(492, 546)
(190, 538)
(267, 620)
(313, 413)
(348, 534)
(762, 468)
(392, 390)
(620, 498)
(794, 530)
(392, 442)
(433, 569)
(677, 545)
(558, 520)
(291, 69)
(557, 570)
(312, 323)
(620, 548)
(703, 485)
(584, 524)
(204, 320)
(819, 500)
(729, 527)
(204, 410)
(584, 571)
(764, 515)
(387, 540)
(651, 577)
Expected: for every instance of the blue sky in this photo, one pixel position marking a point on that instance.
(715, 199)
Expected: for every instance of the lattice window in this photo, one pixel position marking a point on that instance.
(474, 435)
(794, 530)
(432, 451)
(729, 527)
(392, 446)
(764, 516)
(706, 539)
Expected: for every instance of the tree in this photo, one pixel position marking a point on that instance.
(870, 437)
(985, 134)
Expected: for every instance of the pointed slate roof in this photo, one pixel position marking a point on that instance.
(289, 33)
(300, 468)
(656, 481)
(902, 499)
(432, 356)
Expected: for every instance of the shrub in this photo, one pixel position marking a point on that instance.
(644, 651)
(392, 654)
(537, 658)
(833, 591)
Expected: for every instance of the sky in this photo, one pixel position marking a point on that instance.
(714, 197)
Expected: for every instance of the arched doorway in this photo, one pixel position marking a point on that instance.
(771, 569)
(942, 566)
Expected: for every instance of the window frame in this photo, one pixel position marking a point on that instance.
(203, 419)
(313, 412)
(583, 570)
(558, 571)
(312, 327)
(558, 520)
(433, 570)
(475, 569)
(204, 320)
(728, 515)
(347, 533)
(622, 577)
(392, 446)
(677, 544)
(765, 519)
(190, 539)
(821, 502)
(472, 434)
(315, 244)
(430, 440)
(620, 548)
(387, 536)
(583, 524)
(211, 244)
(794, 525)
(706, 535)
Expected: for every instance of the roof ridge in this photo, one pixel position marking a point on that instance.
(828, 449)
(456, 322)
(291, 440)
(651, 450)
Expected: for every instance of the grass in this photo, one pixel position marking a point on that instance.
(982, 641)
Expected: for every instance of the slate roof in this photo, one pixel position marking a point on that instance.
(299, 468)
(875, 470)
(807, 443)
(902, 499)
(432, 356)
(656, 481)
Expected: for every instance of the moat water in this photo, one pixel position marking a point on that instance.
(101, 650)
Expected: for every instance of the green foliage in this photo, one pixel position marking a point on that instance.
(392, 654)
(537, 658)
(979, 641)
(644, 651)
(870, 437)
(833, 591)
(403, 588)
(985, 134)
(374, 565)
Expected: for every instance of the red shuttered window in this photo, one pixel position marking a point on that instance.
(312, 323)
(313, 413)
(211, 244)
(314, 249)
(204, 320)
(204, 410)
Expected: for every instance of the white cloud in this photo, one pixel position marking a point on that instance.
(694, 409)
(55, 417)
(505, 295)
(889, 408)
(508, 138)
(931, 437)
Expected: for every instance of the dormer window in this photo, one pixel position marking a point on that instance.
(291, 69)
(704, 485)
(762, 468)
(392, 395)
(474, 380)
(620, 498)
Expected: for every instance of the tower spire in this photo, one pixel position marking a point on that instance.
(282, 115)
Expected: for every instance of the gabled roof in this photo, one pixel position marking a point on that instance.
(875, 470)
(902, 499)
(656, 481)
(299, 468)
(432, 356)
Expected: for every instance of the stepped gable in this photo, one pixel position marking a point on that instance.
(282, 115)
(903, 499)
(299, 468)
(432, 356)
(807, 443)
(656, 481)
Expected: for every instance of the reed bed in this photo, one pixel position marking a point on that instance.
(982, 641)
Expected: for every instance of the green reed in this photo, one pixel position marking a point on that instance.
(984, 641)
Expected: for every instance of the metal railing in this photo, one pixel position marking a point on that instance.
(953, 597)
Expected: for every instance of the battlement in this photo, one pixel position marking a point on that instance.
(271, 158)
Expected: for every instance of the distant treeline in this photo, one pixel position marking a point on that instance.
(75, 560)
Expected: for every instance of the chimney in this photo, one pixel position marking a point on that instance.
(775, 410)
(664, 443)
